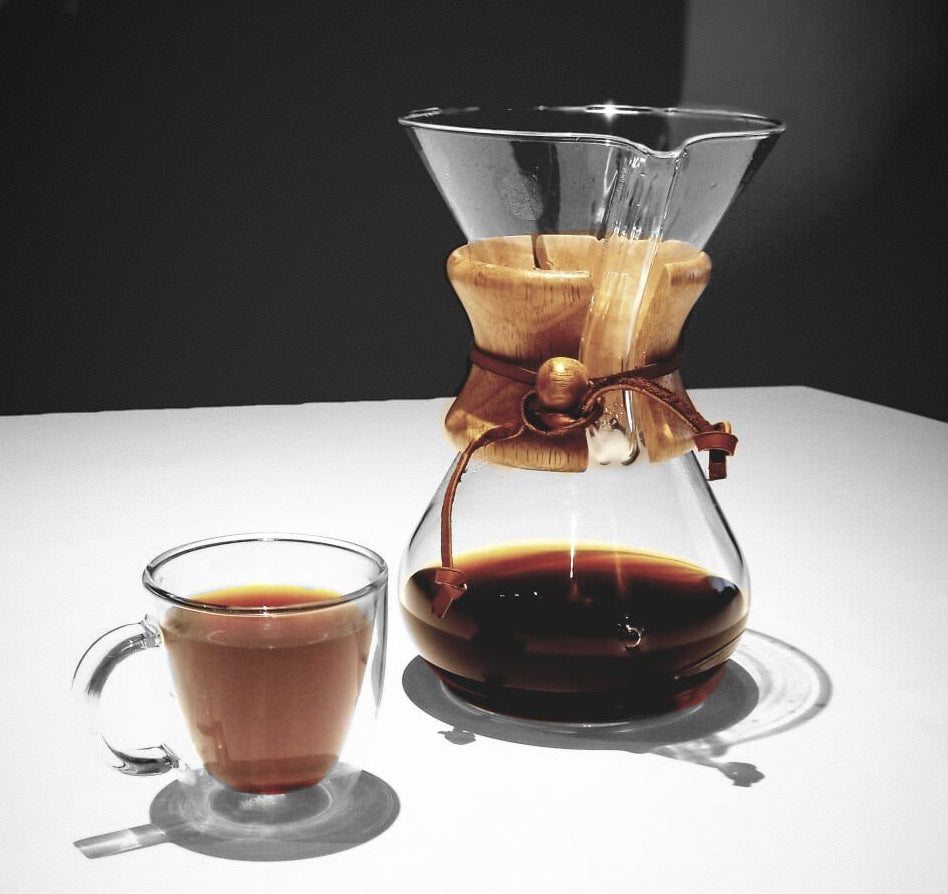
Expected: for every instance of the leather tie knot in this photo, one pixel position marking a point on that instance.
(556, 404)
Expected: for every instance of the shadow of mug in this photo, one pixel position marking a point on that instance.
(769, 687)
(202, 815)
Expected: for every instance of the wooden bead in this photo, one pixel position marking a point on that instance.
(561, 383)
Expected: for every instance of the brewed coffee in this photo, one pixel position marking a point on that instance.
(268, 697)
(591, 634)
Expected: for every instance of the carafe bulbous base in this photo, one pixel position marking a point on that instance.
(591, 597)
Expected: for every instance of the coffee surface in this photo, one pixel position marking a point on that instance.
(588, 633)
(268, 698)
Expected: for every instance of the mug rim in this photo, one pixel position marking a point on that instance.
(377, 581)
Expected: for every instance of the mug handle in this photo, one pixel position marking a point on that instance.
(88, 682)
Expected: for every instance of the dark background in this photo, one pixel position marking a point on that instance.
(209, 204)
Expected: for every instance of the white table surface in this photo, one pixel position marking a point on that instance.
(839, 505)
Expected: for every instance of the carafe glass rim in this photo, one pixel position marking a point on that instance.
(722, 123)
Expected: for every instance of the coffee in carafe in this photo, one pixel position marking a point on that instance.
(553, 632)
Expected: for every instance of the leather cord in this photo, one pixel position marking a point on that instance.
(501, 366)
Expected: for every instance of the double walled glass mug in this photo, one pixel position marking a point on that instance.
(276, 645)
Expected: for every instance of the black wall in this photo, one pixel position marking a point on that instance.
(828, 272)
(213, 204)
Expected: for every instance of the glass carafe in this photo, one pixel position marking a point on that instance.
(574, 564)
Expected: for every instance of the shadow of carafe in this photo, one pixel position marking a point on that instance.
(200, 814)
(769, 687)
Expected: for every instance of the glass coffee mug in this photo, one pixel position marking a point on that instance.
(270, 638)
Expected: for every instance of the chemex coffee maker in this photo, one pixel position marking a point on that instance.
(574, 565)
